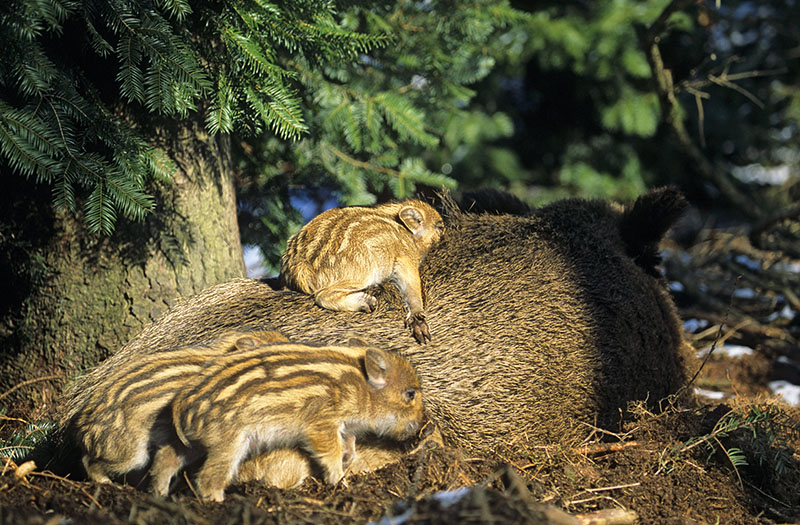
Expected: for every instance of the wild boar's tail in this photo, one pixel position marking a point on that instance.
(644, 223)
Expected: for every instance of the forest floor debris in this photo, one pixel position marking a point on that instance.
(730, 457)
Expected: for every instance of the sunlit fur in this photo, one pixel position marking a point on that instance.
(344, 251)
(118, 424)
(290, 395)
(546, 328)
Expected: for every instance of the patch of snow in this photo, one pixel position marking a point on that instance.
(710, 394)
(732, 351)
(445, 498)
(449, 497)
(748, 262)
(787, 391)
(791, 267)
(786, 312)
(676, 286)
(782, 359)
(693, 325)
(394, 520)
(744, 293)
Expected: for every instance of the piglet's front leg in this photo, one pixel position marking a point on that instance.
(217, 470)
(326, 443)
(406, 277)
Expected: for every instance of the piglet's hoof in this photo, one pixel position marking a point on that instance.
(419, 328)
(370, 303)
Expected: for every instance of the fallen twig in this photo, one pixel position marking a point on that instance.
(50, 475)
(713, 345)
(601, 448)
(608, 517)
(615, 487)
(28, 382)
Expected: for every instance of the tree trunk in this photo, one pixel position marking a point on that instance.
(74, 298)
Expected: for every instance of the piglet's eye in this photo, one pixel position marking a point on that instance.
(410, 394)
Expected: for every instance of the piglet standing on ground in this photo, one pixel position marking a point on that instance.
(289, 395)
(344, 251)
(116, 427)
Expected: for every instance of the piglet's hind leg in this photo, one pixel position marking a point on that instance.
(346, 296)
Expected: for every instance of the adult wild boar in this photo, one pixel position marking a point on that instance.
(542, 323)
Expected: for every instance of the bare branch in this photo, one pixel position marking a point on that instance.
(670, 109)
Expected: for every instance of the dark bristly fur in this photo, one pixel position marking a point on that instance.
(645, 222)
(492, 201)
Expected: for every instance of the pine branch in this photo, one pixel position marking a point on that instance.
(100, 213)
(178, 9)
(174, 78)
(405, 119)
(28, 145)
(278, 109)
(159, 165)
(220, 112)
(251, 52)
(358, 163)
(128, 197)
(343, 117)
(35, 72)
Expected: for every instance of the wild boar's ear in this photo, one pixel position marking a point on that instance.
(375, 363)
(413, 220)
(645, 222)
(495, 202)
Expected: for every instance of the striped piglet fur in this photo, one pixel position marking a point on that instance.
(288, 395)
(342, 252)
(128, 413)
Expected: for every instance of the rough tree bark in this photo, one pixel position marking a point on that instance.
(71, 298)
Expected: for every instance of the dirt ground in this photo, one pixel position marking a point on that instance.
(729, 460)
(642, 472)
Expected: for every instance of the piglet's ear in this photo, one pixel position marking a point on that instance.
(356, 341)
(245, 342)
(260, 338)
(412, 219)
(376, 365)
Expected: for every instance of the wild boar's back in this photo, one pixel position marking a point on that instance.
(542, 324)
